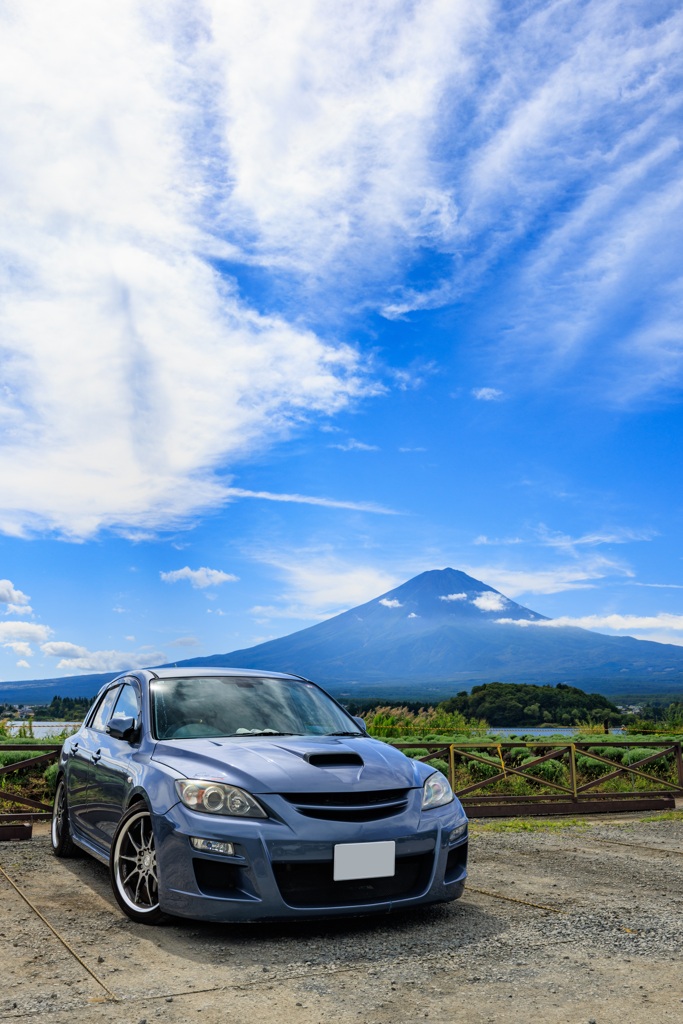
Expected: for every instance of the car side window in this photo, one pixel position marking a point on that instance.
(104, 709)
(128, 704)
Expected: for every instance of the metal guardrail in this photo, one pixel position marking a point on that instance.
(49, 752)
(577, 795)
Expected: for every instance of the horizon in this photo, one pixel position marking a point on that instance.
(297, 308)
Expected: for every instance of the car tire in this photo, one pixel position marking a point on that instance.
(60, 829)
(133, 866)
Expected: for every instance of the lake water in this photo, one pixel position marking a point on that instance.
(41, 730)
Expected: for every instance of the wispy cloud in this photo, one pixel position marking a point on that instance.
(185, 641)
(663, 627)
(453, 597)
(482, 539)
(390, 602)
(354, 446)
(620, 535)
(307, 499)
(487, 394)
(318, 583)
(578, 575)
(200, 578)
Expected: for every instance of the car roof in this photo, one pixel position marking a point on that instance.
(173, 672)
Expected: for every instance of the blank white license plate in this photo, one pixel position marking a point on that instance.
(364, 860)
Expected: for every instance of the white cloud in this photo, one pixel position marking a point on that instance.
(412, 615)
(453, 597)
(30, 631)
(63, 649)
(18, 609)
(17, 602)
(23, 664)
(354, 446)
(112, 171)
(19, 647)
(201, 578)
(79, 659)
(487, 394)
(417, 449)
(390, 602)
(489, 602)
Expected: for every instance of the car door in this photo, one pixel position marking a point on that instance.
(113, 769)
(80, 751)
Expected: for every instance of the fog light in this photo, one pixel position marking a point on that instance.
(457, 833)
(213, 846)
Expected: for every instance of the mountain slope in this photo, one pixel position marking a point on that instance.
(433, 635)
(443, 627)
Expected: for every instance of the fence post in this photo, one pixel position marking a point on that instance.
(451, 765)
(679, 764)
(572, 770)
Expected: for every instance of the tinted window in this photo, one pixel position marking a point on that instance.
(104, 709)
(128, 704)
(244, 706)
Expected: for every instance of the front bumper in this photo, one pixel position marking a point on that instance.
(283, 869)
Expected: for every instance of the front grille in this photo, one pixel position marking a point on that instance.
(350, 806)
(306, 884)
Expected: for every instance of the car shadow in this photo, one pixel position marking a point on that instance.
(349, 940)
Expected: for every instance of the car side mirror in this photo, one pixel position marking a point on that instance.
(123, 728)
(360, 722)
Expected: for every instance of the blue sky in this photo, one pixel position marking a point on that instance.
(302, 299)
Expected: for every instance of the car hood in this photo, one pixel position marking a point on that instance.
(293, 765)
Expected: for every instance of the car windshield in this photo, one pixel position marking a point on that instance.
(199, 706)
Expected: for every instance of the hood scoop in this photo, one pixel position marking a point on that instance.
(340, 759)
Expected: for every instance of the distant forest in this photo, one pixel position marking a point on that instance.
(516, 704)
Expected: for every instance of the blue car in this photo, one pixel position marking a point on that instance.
(237, 795)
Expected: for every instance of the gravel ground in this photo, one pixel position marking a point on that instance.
(602, 943)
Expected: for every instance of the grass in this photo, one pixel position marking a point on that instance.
(665, 816)
(530, 825)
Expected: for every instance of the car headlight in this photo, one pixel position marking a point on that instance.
(217, 798)
(436, 792)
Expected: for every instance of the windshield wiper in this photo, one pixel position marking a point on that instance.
(266, 732)
(345, 733)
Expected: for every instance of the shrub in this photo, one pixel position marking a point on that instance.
(551, 771)
(591, 768)
(50, 776)
(658, 767)
(440, 765)
(416, 752)
(15, 756)
(480, 770)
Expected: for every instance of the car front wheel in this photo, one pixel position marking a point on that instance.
(133, 867)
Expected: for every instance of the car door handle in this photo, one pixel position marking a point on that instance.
(96, 757)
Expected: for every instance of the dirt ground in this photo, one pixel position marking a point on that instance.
(589, 929)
